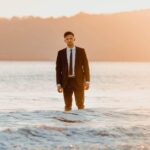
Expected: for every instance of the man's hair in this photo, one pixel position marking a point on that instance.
(68, 33)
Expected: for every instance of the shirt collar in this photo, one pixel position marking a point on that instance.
(68, 48)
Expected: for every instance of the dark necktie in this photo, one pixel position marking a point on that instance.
(70, 67)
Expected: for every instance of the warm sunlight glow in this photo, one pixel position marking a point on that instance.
(57, 8)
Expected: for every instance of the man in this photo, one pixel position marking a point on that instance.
(72, 72)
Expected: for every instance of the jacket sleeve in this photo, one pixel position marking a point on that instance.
(86, 66)
(58, 69)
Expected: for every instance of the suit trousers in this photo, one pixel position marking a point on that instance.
(69, 89)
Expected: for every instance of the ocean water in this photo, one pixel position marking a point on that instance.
(116, 117)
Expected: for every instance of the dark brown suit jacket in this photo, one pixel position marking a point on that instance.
(82, 71)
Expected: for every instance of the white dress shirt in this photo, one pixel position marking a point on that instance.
(73, 59)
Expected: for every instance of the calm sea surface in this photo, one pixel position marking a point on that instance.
(116, 117)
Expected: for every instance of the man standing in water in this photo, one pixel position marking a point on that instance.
(72, 72)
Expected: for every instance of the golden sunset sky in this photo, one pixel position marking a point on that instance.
(57, 8)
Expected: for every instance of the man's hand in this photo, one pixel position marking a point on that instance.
(59, 89)
(86, 85)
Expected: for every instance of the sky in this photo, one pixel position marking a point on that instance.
(58, 8)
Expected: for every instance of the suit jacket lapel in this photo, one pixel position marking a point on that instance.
(65, 56)
(76, 55)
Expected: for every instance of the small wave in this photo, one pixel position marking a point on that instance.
(67, 120)
(51, 128)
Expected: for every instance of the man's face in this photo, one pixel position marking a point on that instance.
(69, 40)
